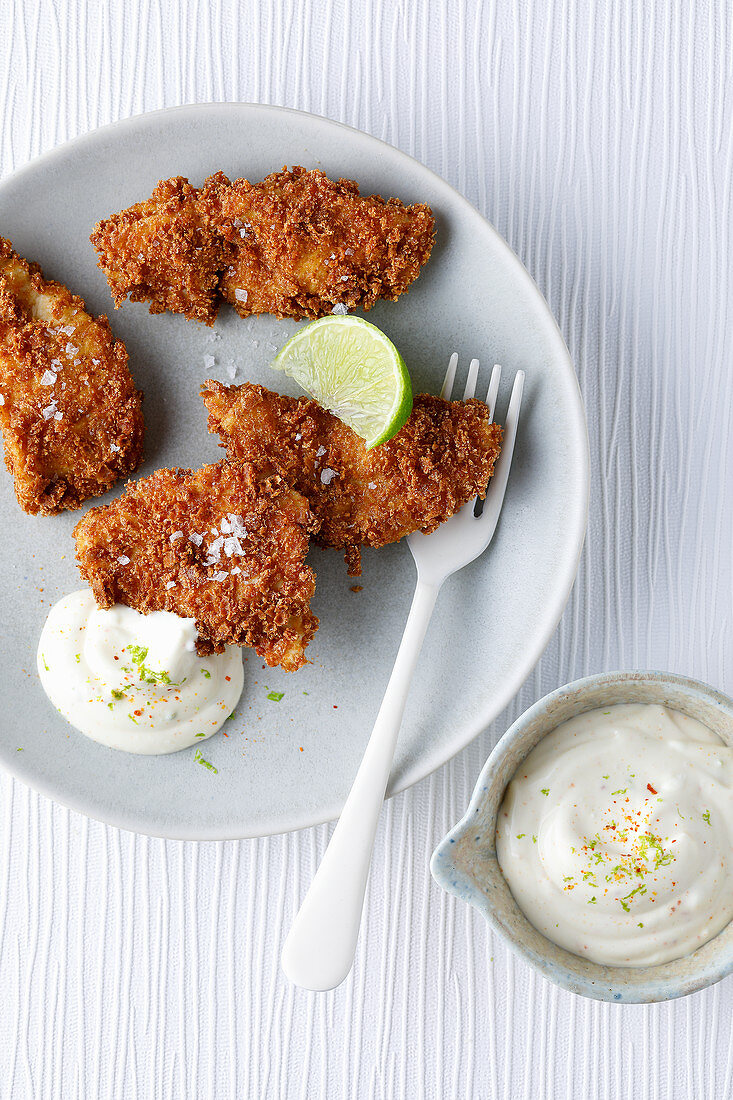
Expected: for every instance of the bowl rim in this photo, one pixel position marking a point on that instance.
(456, 881)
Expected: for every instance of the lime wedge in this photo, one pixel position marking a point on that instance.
(350, 367)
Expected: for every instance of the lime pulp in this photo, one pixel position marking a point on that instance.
(352, 369)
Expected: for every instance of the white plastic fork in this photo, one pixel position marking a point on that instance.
(319, 949)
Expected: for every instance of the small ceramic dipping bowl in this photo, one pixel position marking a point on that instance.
(465, 863)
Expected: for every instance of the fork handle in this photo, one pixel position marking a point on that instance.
(319, 950)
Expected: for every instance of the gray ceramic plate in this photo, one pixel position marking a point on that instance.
(290, 764)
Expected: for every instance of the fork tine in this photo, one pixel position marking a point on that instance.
(471, 380)
(450, 377)
(497, 486)
(493, 391)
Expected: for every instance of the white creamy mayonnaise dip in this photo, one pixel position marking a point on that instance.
(615, 835)
(132, 681)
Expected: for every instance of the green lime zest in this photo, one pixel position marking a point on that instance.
(138, 654)
(199, 758)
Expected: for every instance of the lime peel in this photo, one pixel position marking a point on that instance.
(352, 369)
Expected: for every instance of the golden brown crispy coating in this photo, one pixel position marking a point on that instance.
(70, 415)
(442, 458)
(161, 251)
(302, 243)
(212, 545)
(295, 245)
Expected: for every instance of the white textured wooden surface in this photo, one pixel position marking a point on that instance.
(599, 140)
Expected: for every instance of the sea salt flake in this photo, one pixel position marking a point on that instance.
(123, 559)
(195, 538)
(327, 476)
(320, 451)
(237, 526)
(340, 308)
(70, 349)
(49, 411)
(170, 584)
(349, 252)
(2, 399)
(214, 550)
(176, 535)
(209, 362)
(372, 485)
(221, 575)
(232, 369)
(236, 570)
(58, 416)
(232, 546)
(344, 278)
(48, 378)
(225, 527)
(298, 435)
(115, 448)
(241, 294)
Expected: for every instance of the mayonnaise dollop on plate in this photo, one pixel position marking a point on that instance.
(615, 835)
(135, 682)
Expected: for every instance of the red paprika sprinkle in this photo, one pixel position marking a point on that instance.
(650, 788)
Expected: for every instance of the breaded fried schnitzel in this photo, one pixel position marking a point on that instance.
(70, 415)
(212, 545)
(302, 243)
(162, 251)
(442, 458)
(295, 245)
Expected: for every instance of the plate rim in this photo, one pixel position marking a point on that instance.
(425, 766)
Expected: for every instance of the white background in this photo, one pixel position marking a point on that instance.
(598, 139)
